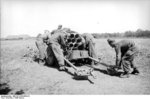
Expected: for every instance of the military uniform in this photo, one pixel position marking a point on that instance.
(56, 44)
(41, 43)
(90, 44)
(125, 54)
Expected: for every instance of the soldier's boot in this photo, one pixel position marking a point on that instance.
(41, 62)
(125, 75)
(135, 71)
(62, 68)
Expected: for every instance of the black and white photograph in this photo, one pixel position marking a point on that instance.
(74, 47)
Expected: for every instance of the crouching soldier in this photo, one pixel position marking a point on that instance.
(90, 45)
(41, 43)
(56, 44)
(125, 54)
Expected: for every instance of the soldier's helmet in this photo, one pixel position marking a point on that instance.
(59, 26)
(46, 31)
(110, 41)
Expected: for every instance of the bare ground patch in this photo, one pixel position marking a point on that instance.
(28, 77)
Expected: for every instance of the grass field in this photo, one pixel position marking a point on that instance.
(28, 77)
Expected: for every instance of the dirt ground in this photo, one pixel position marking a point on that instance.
(23, 76)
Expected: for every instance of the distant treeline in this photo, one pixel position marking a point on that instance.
(138, 33)
(20, 38)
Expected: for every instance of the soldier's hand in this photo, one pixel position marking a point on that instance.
(62, 68)
(117, 68)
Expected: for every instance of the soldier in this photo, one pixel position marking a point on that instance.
(90, 43)
(57, 30)
(41, 43)
(125, 54)
(56, 44)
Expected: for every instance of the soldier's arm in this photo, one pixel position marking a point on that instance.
(47, 38)
(118, 56)
(49, 35)
(62, 41)
(53, 31)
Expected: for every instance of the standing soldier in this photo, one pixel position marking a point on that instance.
(90, 44)
(125, 54)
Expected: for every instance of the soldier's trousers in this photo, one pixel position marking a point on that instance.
(92, 51)
(42, 49)
(58, 53)
(89, 42)
(45, 52)
(128, 60)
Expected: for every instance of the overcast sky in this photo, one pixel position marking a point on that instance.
(34, 16)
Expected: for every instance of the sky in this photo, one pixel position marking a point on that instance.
(91, 16)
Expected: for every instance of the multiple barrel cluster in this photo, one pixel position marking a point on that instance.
(75, 42)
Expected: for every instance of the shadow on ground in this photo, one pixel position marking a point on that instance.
(108, 70)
